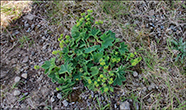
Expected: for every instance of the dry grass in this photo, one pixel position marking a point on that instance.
(11, 10)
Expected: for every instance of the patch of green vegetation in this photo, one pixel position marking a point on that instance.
(179, 45)
(25, 40)
(97, 59)
(101, 107)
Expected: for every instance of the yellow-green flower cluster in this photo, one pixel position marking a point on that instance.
(102, 62)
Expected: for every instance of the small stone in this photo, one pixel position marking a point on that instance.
(59, 96)
(65, 103)
(149, 100)
(24, 75)
(151, 12)
(25, 59)
(26, 25)
(28, 30)
(152, 86)
(32, 26)
(115, 106)
(125, 106)
(29, 17)
(17, 79)
(13, 61)
(17, 92)
(135, 74)
(52, 99)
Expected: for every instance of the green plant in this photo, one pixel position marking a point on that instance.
(97, 59)
(100, 107)
(23, 40)
(179, 45)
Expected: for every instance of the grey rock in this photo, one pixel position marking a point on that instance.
(125, 105)
(32, 26)
(59, 96)
(13, 61)
(15, 33)
(52, 99)
(26, 25)
(115, 106)
(17, 79)
(151, 12)
(17, 92)
(152, 86)
(25, 59)
(44, 91)
(65, 103)
(29, 17)
(24, 75)
(135, 74)
(149, 100)
(4, 73)
(28, 30)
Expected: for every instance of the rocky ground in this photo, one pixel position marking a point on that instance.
(30, 40)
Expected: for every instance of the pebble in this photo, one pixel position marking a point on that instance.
(29, 17)
(17, 92)
(13, 61)
(25, 59)
(17, 79)
(149, 100)
(32, 26)
(52, 99)
(59, 96)
(24, 75)
(26, 25)
(135, 74)
(125, 105)
(65, 103)
(152, 86)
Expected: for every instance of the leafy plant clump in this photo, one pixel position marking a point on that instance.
(96, 59)
(179, 45)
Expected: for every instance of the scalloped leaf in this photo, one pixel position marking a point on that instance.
(123, 48)
(90, 49)
(66, 68)
(94, 70)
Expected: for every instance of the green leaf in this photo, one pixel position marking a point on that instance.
(49, 65)
(46, 65)
(107, 38)
(75, 32)
(90, 49)
(123, 48)
(97, 56)
(94, 32)
(60, 80)
(53, 76)
(94, 70)
(77, 75)
(66, 68)
(118, 80)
